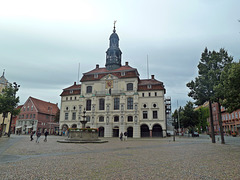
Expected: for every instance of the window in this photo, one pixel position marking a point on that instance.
(75, 98)
(155, 115)
(155, 93)
(129, 86)
(70, 98)
(144, 105)
(88, 118)
(122, 73)
(89, 89)
(74, 107)
(145, 115)
(101, 104)
(28, 108)
(88, 105)
(66, 116)
(66, 98)
(74, 116)
(101, 119)
(129, 103)
(142, 94)
(116, 118)
(32, 108)
(30, 116)
(149, 86)
(71, 91)
(130, 119)
(95, 75)
(149, 94)
(27, 116)
(66, 108)
(116, 103)
(154, 105)
(33, 116)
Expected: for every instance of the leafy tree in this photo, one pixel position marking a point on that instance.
(176, 118)
(190, 117)
(202, 89)
(203, 114)
(8, 103)
(229, 87)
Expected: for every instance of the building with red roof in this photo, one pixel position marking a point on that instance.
(114, 99)
(37, 115)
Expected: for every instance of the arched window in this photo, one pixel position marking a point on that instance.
(129, 86)
(116, 118)
(129, 103)
(88, 105)
(101, 119)
(101, 104)
(89, 89)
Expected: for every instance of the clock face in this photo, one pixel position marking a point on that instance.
(109, 84)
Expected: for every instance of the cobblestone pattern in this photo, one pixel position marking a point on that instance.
(186, 158)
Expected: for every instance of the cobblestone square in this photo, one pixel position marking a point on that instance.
(160, 158)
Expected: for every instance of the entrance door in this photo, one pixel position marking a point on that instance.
(116, 132)
(157, 131)
(145, 131)
(130, 131)
(101, 131)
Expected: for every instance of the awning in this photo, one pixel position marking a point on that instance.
(29, 127)
(19, 127)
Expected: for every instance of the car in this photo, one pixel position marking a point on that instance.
(195, 134)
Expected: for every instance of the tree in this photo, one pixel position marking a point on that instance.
(229, 87)
(203, 114)
(190, 117)
(202, 89)
(8, 103)
(177, 120)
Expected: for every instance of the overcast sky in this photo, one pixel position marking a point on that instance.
(42, 42)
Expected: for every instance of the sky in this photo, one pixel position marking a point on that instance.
(43, 42)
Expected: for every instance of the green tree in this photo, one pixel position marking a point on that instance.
(177, 120)
(203, 114)
(190, 117)
(229, 87)
(202, 89)
(8, 103)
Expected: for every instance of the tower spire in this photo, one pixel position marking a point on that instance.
(114, 30)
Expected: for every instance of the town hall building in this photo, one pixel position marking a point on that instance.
(114, 99)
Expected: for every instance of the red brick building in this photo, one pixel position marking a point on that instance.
(37, 115)
(230, 121)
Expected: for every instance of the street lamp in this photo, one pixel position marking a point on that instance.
(16, 87)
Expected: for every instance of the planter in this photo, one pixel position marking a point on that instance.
(234, 135)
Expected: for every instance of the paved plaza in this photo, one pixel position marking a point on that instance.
(148, 158)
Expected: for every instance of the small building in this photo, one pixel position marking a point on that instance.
(37, 115)
(115, 100)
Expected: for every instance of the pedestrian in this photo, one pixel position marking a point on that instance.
(125, 136)
(38, 136)
(31, 135)
(121, 136)
(46, 134)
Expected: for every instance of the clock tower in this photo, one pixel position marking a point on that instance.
(113, 54)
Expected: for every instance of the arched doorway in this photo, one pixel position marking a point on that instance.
(157, 131)
(101, 131)
(145, 131)
(74, 126)
(130, 131)
(116, 131)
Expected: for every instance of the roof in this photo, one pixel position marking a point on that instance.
(150, 85)
(44, 107)
(75, 89)
(3, 80)
(101, 72)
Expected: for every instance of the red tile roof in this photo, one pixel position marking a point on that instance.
(101, 72)
(154, 85)
(44, 107)
(75, 89)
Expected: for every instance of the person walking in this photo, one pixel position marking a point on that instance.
(38, 136)
(31, 135)
(121, 136)
(125, 136)
(46, 134)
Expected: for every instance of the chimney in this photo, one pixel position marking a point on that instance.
(126, 63)
(97, 66)
(152, 76)
(74, 83)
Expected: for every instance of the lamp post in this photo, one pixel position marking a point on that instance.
(16, 86)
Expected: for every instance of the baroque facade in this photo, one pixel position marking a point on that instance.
(115, 100)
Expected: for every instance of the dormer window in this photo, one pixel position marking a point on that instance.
(123, 74)
(95, 75)
(71, 91)
(149, 86)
